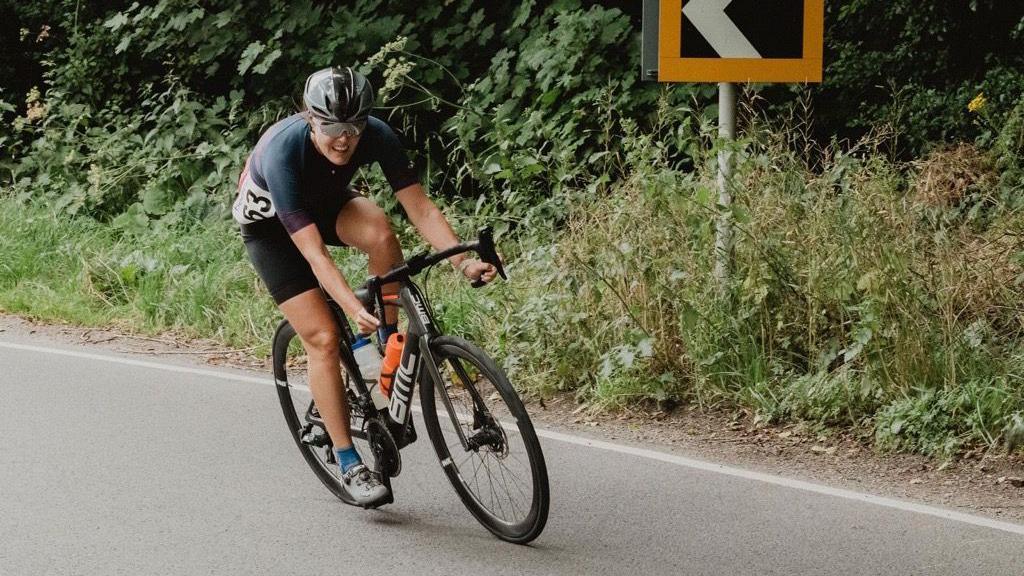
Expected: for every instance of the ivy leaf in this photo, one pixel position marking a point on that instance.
(133, 220)
(896, 427)
(155, 201)
(852, 351)
(740, 214)
(645, 347)
(268, 60)
(122, 45)
(116, 21)
(522, 15)
(626, 356)
(249, 55)
(222, 19)
(688, 316)
(867, 281)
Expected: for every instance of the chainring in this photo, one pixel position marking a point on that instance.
(385, 450)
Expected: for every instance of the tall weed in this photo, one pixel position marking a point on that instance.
(853, 300)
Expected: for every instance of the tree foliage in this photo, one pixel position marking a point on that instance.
(520, 101)
(868, 291)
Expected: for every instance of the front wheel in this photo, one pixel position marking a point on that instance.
(485, 441)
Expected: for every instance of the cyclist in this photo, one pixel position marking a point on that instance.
(294, 199)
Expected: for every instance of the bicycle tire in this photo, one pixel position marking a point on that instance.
(450, 353)
(317, 458)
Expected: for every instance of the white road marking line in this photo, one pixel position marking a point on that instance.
(786, 482)
(268, 380)
(600, 445)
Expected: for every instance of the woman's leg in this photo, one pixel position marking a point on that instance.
(314, 322)
(363, 225)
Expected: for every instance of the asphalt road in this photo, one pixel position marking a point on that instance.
(108, 468)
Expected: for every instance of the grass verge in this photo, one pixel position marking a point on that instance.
(862, 297)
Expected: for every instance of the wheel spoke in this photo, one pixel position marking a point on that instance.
(464, 460)
(476, 472)
(297, 403)
(512, 499)
(513, 474)
(516, 458)
(518, 485)
(494, 493)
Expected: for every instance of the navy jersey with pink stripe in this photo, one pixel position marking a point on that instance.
(285, 178)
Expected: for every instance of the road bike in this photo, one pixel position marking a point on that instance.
(479, 428)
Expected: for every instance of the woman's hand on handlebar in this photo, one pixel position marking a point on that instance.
(476, 270)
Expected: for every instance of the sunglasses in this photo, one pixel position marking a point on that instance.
(339, 129)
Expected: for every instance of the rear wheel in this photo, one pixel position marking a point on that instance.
(485, 441)
(303, 419)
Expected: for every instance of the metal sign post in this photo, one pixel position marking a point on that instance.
(728, 41)
(726, 135)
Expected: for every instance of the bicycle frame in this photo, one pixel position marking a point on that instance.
(417, 364)
(417, 357)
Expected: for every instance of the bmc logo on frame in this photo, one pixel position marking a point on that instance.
(402, 392)
(422, 312)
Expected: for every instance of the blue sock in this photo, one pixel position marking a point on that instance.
(347, 458)
(385, 332)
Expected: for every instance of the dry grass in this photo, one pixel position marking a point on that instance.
(945, 177)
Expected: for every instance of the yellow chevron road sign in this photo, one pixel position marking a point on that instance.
(733, 40)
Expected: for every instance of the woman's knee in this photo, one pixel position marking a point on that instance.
(382, 237)
(365, 226)
(322, 341)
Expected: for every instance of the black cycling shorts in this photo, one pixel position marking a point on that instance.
(283, 269)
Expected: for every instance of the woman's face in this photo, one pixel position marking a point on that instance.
(337, 142)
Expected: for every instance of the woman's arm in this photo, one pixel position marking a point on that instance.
(434, 227)
(311, 244)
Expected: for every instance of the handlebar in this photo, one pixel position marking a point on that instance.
(484, 247)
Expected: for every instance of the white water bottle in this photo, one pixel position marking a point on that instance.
(368, 359)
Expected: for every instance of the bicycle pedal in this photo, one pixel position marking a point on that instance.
(319, 440)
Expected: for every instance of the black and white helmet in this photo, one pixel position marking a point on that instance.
(338, 95)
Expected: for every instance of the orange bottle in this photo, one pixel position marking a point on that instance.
(392, 358)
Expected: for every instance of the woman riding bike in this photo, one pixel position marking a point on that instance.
(294, 199)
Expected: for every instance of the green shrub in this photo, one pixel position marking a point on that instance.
(940, 421)
(851, 287)
(843, 398)
(866, 292)
(172, 157)
(193, 280)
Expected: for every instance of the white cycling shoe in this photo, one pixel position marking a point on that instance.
(362, 485)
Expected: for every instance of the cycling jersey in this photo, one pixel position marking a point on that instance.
(286, 181)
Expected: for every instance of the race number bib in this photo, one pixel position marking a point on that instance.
(253, 203)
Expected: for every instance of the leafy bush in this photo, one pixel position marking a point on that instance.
(172, 156)
(867, 292)
(193, 280)
(915, 66)
(850, 290)
(545, 120)
(940, 421)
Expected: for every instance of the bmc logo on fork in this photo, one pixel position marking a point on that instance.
(401, 393)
